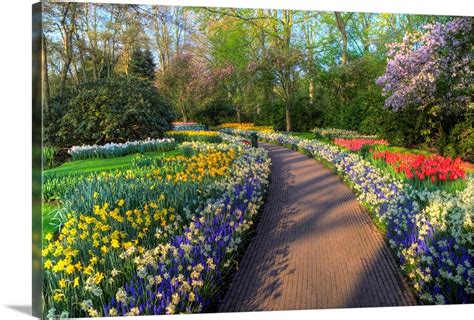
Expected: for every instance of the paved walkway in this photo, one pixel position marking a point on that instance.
(315, 247)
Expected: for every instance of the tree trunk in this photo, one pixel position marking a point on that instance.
(185, 114)
(93, 42)
(44, 73)
(82, 60)
(311, 90)
(366, 39)
(237, 109)
(75, 75)
(288, 118)
(64, 72)
(68, 32)
(342, 28)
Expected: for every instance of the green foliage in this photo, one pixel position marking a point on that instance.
(461, 140)
(142, 65)
(304, 115)
(50, 212)
(48, 157)
(349, 98)
(215, 112)
(114, 109)
(304, 135)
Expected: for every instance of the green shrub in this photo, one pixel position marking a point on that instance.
(462, 141)
(109, 110)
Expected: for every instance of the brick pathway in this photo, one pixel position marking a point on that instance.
(315, 247)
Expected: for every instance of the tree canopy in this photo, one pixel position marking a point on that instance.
(290, 69)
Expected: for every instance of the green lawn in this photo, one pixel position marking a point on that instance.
(406, 150)
(304, 135)
(100, 164)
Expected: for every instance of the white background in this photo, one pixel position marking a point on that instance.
(15, 156)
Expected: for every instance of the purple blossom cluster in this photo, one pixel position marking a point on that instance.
(431, 68)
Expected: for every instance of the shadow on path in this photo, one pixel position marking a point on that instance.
(315, 247)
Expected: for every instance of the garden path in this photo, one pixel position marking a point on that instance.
(315, 247)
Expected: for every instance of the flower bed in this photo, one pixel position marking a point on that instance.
(187, 126)
(175, 222)
(111, 150)
(332, 133)
(189, 135)
(422, 167)
(431, 232)
(357, 144)
(245, 126)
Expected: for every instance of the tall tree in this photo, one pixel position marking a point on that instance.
(341, 26)
(142, 64)
(285, 62)
(174, 83)
(44, 72)
(68, 23)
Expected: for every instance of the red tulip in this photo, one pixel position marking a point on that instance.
(433, 166)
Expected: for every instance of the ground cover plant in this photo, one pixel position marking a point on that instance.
(430, 231)
(117, 220)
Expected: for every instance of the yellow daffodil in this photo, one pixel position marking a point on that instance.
(76, 282)
(48, 264)
(58, 296)
(62, 283)
(88, 270)
(98, 277)
(115, 244)
(70, 269)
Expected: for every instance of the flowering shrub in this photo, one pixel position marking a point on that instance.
(429, 231)
(422, 167)
(431, 68)
(332, 133)
(189, 135)
(357, 144)
(187, 126)
(111, 150)
(176, 222)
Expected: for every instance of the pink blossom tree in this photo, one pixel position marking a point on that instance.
(431, 69)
